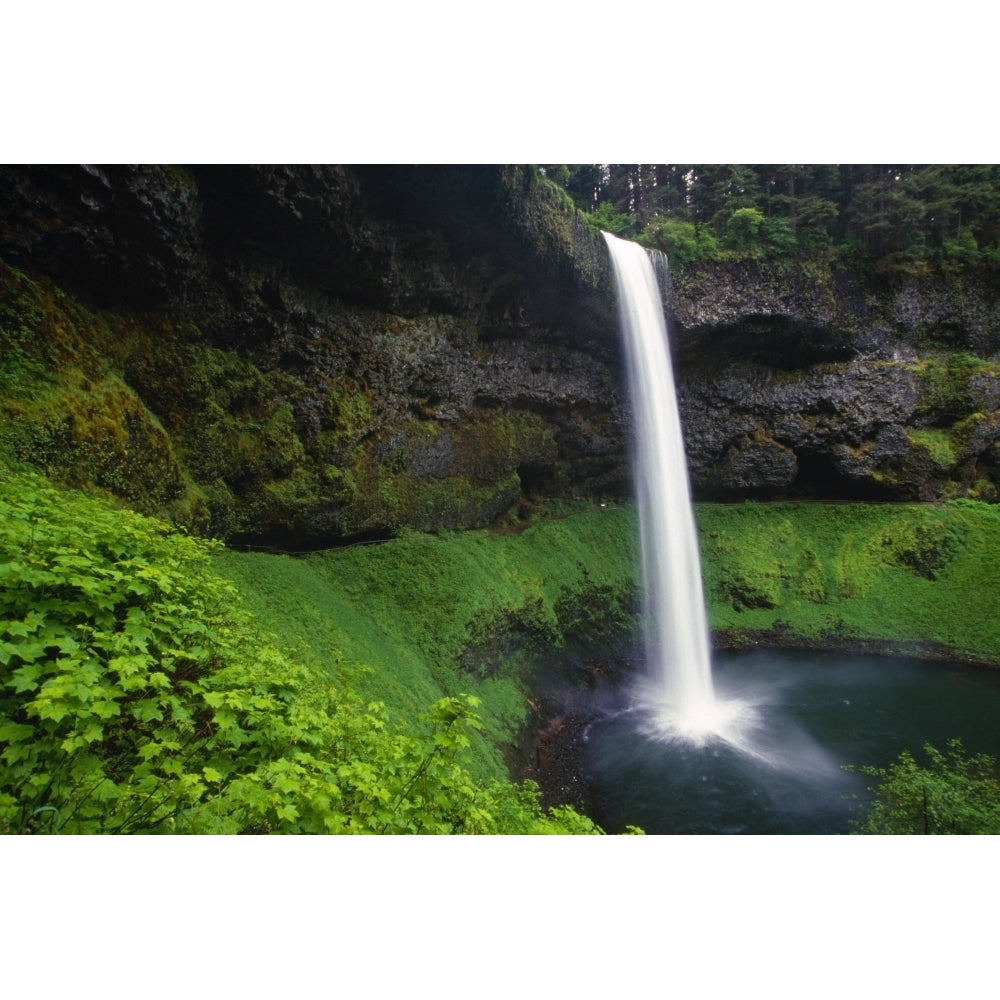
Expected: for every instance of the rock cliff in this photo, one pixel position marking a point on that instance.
(303, 354)
(802, 380)
(299, 355)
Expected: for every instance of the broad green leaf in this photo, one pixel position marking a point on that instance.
(45, 708)
(147, 710)
(26, 677)
(288, 812)
(14, 732)
(106, 709)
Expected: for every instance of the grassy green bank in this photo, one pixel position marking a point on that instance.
(423, 616)
(904, 578)
(432, 614)
(428, 612)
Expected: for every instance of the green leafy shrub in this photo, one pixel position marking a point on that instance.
(777, 236)
(748, 233)
(135, 696)
(606, 218)
(952, 793)
(683, 242)
(742, 229)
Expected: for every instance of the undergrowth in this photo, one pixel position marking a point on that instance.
(136, 696)
(954, 792)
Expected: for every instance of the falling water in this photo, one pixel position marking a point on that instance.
(676, 631)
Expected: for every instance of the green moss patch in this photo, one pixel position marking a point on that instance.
(937, 443)
(951, 384)
(913, 577)
(460, 611)
(145, 408)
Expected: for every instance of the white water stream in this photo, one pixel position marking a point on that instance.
(676, 630)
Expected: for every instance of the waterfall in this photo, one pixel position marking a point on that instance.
(676, 630)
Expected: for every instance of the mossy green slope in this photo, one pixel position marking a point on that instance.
(473, 611)
(907, 578)
(434, 615)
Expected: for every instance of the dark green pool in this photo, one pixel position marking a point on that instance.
(802, 717)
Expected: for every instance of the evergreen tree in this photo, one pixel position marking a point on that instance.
(586, 183)
(900, 217)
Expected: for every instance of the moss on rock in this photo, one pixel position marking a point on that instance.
(148, 410)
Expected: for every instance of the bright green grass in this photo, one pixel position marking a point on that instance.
(410, 609)
(898, 574)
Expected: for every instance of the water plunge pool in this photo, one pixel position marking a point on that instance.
(801, 717)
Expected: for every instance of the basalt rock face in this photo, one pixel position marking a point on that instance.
(119, 236)
(801, 381)
(330, 351)
(300, 355)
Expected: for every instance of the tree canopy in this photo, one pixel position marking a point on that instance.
(901, 218)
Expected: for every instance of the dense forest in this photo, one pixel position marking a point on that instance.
(897, 218)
